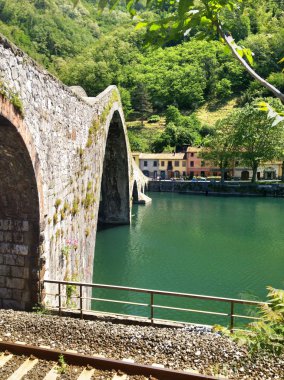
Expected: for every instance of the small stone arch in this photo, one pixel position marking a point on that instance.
(115, 196)
(135, 195)
(19, 218)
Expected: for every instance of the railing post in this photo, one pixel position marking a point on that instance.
(59, 298)
(232, 317)
(152, 307)
(81, 302)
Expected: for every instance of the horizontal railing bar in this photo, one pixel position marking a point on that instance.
(246, 317)
(100, 299)
(96, 312)
(123, 302)
(155, 306)
(158, 292)
(190, 310)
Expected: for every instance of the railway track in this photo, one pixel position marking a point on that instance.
(22, 361)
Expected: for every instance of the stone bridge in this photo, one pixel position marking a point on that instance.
(65, 166)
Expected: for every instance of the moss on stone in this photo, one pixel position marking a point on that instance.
(13, 98)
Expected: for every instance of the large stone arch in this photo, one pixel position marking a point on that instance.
(63, 143)
(115, 196)
(19, 216)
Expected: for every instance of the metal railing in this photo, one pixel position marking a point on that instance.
(60, 295)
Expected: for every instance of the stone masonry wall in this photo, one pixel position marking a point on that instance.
(54, 180)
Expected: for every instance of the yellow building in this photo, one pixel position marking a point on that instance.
(163, 165)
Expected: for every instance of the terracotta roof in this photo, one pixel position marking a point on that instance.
(193, 149)
(162, 156)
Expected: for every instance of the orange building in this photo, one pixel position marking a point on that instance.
(197, 166)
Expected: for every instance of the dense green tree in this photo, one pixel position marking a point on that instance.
(141, 101)
(256, 137)
(180, 131)
(210, 16)
(219, 147)
(94, 50)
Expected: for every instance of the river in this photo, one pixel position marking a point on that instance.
(226, 247)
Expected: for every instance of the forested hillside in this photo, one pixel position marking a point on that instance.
(84, 47)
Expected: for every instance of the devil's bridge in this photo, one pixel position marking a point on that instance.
(65, 165)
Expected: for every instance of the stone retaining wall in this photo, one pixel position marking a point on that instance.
(216, 188)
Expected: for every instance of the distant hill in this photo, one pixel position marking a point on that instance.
(84, 47)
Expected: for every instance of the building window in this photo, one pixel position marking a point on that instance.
(191, 164)
(155, 163)
(202, 174)
(191, 154)
(176, 163)
(184, 164)
(202, 163)
(162, 163)
(145, 163)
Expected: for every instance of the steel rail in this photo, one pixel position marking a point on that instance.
(100, 363)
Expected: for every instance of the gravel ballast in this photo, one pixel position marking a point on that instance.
(191, 348)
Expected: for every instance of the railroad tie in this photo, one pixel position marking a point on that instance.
(4, 359)
(23, 369)
(86, 374)
(52, 374)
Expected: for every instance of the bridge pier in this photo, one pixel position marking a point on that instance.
(19, 222)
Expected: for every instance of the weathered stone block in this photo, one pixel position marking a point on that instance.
(2, 281)
(18, 237)
(17, 294)
(11, 304)
(15, 283)
(5, 270)
(17, 249)
(8, 237)
(5, 293)
(14, 260)
(17, 271)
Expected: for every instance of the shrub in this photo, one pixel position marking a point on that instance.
(268, 332)
(154, 119)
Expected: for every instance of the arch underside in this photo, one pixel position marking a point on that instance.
(19, 222)
(115, 201)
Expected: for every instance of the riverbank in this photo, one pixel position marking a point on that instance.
(192, 348)
(235, 189)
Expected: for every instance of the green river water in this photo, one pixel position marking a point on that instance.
(226, 247)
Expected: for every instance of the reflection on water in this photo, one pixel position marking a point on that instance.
(215, 246)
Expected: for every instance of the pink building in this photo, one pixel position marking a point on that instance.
(197, 166)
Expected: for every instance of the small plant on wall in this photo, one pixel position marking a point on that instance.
(12, 97)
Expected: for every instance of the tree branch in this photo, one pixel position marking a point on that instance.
(262, 81)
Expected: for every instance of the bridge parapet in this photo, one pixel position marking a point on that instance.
(67, 164)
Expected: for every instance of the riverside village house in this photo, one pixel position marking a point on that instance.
(189, 164)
